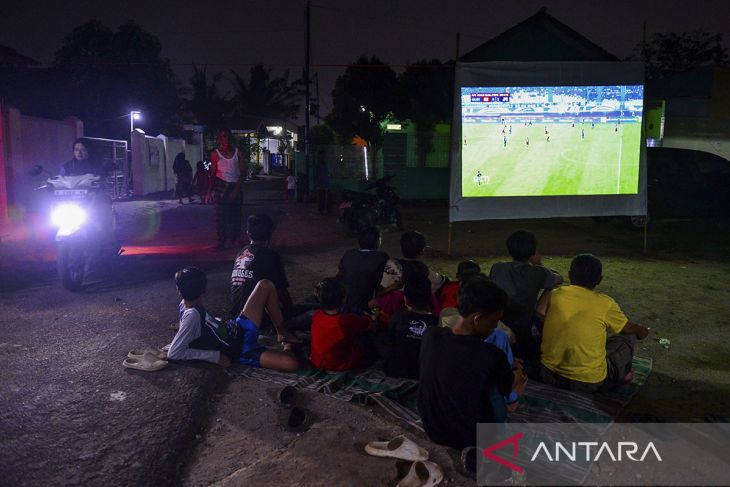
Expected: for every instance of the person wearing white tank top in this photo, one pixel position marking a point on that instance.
(226, 189)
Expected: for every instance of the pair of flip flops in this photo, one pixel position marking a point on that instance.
(147, 360)
(294, 419)
(422, 472)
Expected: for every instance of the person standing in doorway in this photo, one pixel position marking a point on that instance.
(323, 183)
(228, 172)
(184, 173)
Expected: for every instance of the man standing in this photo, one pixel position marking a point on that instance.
(228, 172)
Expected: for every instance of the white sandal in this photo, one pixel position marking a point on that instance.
(399, 447)
(156, 352)
(151, 365)
(422, 474)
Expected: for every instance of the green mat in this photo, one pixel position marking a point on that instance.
(540, 404)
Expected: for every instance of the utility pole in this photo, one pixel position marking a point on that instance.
(306, 86)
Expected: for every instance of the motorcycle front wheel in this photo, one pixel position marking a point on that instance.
(71, 265)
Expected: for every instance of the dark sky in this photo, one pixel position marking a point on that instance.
(234, 34)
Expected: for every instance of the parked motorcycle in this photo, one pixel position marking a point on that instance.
(359, 210)
(83, 237)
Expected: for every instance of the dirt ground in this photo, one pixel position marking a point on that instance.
(680, 288)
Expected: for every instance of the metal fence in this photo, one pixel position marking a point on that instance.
(399, 152)
(346, 162)
(113, 152)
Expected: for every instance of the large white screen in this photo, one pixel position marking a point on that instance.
(545, 139)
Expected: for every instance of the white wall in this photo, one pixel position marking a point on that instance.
(25, 142)
(152, 161)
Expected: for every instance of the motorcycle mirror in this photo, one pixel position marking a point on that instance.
(36, 170)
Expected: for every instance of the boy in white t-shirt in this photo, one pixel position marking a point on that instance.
(291, 185)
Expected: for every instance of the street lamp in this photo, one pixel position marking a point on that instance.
(133, 115)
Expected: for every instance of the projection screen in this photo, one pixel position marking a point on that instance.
(548, 139)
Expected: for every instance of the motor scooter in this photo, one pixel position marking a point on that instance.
(359, 210)
(78, 210)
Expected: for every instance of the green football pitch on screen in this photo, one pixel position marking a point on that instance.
(551, 141)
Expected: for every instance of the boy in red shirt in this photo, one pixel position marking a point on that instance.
(450, 290)
(340, 341)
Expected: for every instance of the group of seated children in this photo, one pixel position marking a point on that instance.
(457, 338)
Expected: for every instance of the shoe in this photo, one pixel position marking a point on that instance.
(399, 447)
(422, 474)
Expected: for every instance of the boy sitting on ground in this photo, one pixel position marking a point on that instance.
(588, 342)
(412, 244)
(463, 379)
(256, 261)
(407, 328)
(523, 279)
(393, 302)
(340, 341)
(448, 297)
(202, 337)
(361, 269)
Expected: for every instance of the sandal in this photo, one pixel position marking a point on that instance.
(297, 420)
(422, 474)
(144, 364)
(155, 352)
(287, 396)
(399, 447)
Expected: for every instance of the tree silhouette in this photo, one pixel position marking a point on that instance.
(265, 96)
(104, 74)
(207, 105)
(671, 53)
(425, 96)
(362, 100)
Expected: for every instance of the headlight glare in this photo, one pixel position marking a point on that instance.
(68, 215)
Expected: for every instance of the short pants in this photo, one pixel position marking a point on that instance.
(250, 349)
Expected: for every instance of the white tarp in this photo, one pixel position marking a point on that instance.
(521, 74)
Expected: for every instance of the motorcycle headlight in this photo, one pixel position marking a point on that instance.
(68, 215)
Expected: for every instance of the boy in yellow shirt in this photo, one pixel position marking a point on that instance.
(588, 342)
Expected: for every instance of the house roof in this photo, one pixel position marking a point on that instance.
(9, 57)
(541, 37)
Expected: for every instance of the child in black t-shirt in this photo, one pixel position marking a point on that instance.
(463, 378)
(407, 328)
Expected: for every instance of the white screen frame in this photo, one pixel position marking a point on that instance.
(542, 74)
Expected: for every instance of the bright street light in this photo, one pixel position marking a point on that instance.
(134, 115)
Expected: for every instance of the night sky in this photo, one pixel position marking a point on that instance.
(235, 34)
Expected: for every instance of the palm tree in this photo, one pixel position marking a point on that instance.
(207, 104)
(265, 96)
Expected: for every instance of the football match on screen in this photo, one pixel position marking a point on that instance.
(551, 140)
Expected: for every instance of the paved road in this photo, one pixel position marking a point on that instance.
(69, 412)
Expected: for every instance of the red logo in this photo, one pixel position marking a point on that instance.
(487, 452)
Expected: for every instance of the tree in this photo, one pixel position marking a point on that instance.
(362, 99)
(104, 74)
(425, 97)
(265, 96)
(207, 105)
(672, 53)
